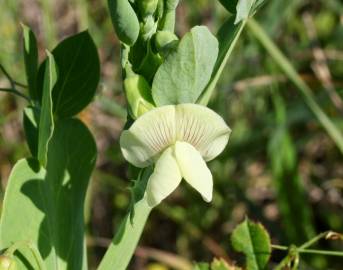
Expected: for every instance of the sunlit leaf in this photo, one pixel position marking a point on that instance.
(31, 60)
(45, 206)
(186, 72)
(253, 240)
(46, 121)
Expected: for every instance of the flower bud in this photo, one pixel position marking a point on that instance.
(7, 263)
(147, 7)
(124, 20)
(165, 41)
(138, 94)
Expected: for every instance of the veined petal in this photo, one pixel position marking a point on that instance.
(202, 128)
(194, 169)
(165, 178)
(148, 136)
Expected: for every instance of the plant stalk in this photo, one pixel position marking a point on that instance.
(122, 248)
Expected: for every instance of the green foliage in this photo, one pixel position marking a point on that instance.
(124, 20)
(230, 5)
(78, 74)
(227, 36)
(253, 240)
(31, 60)
(46, 206)
(46, 121)
(30, 121)
(185, 72)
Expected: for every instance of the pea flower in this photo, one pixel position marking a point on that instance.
(178, 139)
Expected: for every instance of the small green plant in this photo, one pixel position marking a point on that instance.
(170, 134)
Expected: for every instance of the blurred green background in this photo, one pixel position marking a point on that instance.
(280, 168)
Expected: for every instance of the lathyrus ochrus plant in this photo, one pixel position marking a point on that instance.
(168, 81)
(170, 133)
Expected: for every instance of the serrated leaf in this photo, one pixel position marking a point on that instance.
(45, 206)
(253, 240)
(46, 121)
(185, 73)
(31, 60)
(79, 73)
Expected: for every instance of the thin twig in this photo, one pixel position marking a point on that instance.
(15, 92)
(320, 64)
(311, 251)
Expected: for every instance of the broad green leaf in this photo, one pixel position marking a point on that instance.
(186, 72)
(46, 121)
(31, 60)
(78, 77)
(253, 240)
(230, 5)
(31, 121)
(123, 245)
(227, 37)
(45, 206)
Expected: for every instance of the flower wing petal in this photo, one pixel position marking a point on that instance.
(148, 136)
(202, 128)
(194, 169)
(165, 178)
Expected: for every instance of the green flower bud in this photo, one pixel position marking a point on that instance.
(165, 41)
(138, 94)
(147, 7)
(124, 20)
(7, 263)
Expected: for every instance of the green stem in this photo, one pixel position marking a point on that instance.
(8, 76)
(24, 244)
(311, 251)
(123, 245)
(292, 74)
(15, 92)
(313, 240)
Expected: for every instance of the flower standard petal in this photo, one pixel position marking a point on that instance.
(165, 178)
(148, 136)
(194, 169)
(202, 128)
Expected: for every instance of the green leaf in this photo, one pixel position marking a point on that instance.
(46, 121)
(30, 121)
(45, 207)
(253, 240)
(79, 73)
(244, 9)
(230, 5)
(185, 73)
(227, 36)
(31, 60)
